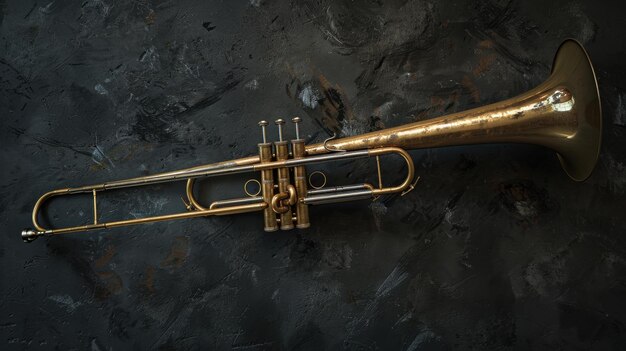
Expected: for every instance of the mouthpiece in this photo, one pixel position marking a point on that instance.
(28, 235)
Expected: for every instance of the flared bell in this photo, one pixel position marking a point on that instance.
(563, 114)
(572, 68)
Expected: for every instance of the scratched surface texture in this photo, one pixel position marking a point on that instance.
(495, 249)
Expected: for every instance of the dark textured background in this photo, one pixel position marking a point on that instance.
(495, 249)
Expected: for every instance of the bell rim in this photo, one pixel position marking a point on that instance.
(581, 171)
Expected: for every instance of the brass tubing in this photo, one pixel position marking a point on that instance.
(335, 156)
(282, 154)
(268, 166)
(194, 204)
(340, 188)
(277, 203)
(299, 175)
(364, 191)
(40, 202)
(410, 170)
(380, 175)
(338, 197)
(180, 175)
(267, 188)
(238, 201)
(220, 168)
(95, 208)
(183, 215)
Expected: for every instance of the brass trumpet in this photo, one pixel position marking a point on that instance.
(563, 114)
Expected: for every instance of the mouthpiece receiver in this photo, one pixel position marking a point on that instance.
(29, 235)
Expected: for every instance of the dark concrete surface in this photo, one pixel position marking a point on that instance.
(495, 249)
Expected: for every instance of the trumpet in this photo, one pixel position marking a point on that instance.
(563, 114)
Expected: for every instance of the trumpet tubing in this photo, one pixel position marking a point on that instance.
(563, 114)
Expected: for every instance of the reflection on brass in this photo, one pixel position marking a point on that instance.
(562, 114)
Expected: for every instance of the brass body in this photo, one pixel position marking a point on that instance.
(563, 114)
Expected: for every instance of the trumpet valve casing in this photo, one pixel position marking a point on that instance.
(282, 154)
(267, 187)
(299, 178)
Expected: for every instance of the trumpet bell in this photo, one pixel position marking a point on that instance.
(563, 114)
(572, 69)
